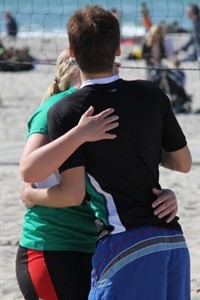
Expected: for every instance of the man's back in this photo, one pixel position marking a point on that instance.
(124, 170)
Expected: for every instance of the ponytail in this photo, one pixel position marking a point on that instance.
(66, 70)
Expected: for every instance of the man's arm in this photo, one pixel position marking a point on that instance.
(69, 192)
(180, 160)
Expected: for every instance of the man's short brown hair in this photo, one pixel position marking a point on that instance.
(94, 37)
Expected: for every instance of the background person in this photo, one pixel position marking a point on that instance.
(145, 14)
(193, 13)
(117, 14)
(11, 25)
(156, 47)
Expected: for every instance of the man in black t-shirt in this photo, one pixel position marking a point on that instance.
(134, 245)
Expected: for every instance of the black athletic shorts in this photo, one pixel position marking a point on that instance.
(53, 275)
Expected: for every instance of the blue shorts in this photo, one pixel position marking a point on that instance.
(146, 263)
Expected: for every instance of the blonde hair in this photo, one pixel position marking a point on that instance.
(153, 34)
(66, 69)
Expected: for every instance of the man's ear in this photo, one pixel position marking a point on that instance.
(118, 51)
(71, 52)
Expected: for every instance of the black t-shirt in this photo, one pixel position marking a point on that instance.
(123, 171)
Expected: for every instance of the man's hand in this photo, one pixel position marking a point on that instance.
(165, 204)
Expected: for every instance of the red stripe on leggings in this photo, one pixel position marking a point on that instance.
(40, 276)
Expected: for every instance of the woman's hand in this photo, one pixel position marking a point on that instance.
(94, 128)
(25, 194)
(165, 204)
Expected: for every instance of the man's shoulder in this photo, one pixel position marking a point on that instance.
(66, 108)
(146, 91)
(65, 98)
(141, 84)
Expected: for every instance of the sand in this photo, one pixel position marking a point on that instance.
(21, 93)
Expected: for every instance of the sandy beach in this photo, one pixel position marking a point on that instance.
(21, 93)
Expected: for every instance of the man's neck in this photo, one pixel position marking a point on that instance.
(90, 76)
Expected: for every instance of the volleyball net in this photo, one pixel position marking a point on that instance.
(42, 28)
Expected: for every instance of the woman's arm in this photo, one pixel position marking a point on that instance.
(40, 159)
(71, 192)
(165, 204)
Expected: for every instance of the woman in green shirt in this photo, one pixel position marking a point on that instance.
(56, 245)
